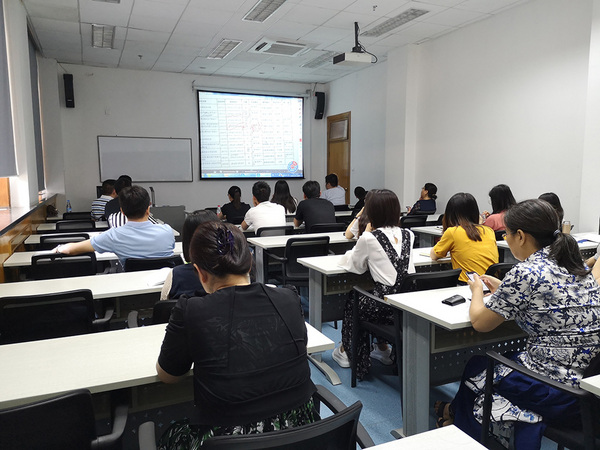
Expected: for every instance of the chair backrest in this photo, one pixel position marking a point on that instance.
(64, 422)
(440, 220)
(80, 215)
(498, 270)
(275, 231)
(301, 248)
(161, 313)
(327, 227)
(49, 241)
(499, 234)
(341, 207)
(430, 280)
(76, 225)
(336, 432)
(57, 265)
(31, 318)
(413, 221)
(171, 215)
(137, 264)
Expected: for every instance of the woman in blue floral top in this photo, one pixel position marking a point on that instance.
(556, 301)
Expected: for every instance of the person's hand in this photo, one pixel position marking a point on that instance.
(491, 282)
(476, 285)
(485, 214)
(408, 208)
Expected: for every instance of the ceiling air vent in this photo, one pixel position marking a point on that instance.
(279, 48)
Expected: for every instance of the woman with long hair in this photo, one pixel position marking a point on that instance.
(426, 202)
(385, 250)
(556, 301)
(553, 199)
(502, 198)
(235, 210)
(282, 196)
(359, 223)
(472, 246)
(246, 343)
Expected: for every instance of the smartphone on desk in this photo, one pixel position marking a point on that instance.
(486, 290)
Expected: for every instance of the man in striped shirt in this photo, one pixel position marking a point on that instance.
(98, 205)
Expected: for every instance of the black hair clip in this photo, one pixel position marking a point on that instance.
(225, 241)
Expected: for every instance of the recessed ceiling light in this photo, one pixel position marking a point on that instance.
(263, 10)
(395, 22)
(108, 1)
(319, 60)
(223, 49)
(103, 36)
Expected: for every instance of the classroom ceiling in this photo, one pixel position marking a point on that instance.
(179, 35)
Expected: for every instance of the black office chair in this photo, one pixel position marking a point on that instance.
(46, 316)
(585, 436)
(49, 241)
(498, 270)
(341, 207)
(440, 220)
(75, 225)
(293, 272)
(63, 422)
(340, 431)
(413, 221)
(81, 215)
(327, 227)
(57, 265)
(393, 333)
(161, 313)
(499, 234)
(275, 231)
(137, 264)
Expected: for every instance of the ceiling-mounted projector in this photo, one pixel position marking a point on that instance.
(357, 57)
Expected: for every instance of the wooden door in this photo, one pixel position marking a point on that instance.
(338, 149)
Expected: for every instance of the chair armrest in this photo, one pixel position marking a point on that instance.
(281, 259)
(147, 436)
(361, 291)
(325, 396)
(119, 420)
(102, 323)
(132, 319)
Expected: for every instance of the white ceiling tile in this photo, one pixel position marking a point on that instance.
(106, 13)
(446, 3)
(376, 8)
(149, 37)
(57, 10)
(345, 21)
(289, 30)
(310, 15)
(58, 26)
(453, 17)
(486, 6)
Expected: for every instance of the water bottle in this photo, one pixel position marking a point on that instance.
(69, 209)
(218, 209)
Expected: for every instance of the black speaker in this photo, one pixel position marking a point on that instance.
(69, 94)
(320, 105)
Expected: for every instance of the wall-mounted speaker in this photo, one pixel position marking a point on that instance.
(320, 105)
(69, 94)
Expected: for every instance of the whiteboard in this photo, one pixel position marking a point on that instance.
(145, 159)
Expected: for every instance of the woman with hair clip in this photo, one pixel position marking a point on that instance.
(282, 196)
(502, 199)
(426, 202)
(552, 297)
(234, 211)
(246, 343)
(385, 250)
(472, 246)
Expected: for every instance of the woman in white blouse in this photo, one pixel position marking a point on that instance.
(385, 250)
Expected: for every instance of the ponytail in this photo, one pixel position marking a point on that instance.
(565, 251)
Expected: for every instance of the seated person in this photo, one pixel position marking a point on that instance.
(502, 199)
(234, 211)
(138, 238)
(98, 205)
(426, 202)
(312, 209)
(282, 196)
(360, 194)
(334, 193)
(183, 279)
(553, 199)
(264, 213)
(113, 206)
(359, 224)
(556, 301)
(472, 246)
(246, 343)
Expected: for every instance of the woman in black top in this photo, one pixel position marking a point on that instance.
(426, 202)
(246, 342)
(235, 210)
(282, 196)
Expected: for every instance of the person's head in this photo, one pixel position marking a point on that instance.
(553, 199)
(462, 211)
(282, 196)
(122, 182)
(261, 191)
(311, 189)
(331, 180)
(383, 208)
(220, 249)
(502, 198)
(189, 226)
(134, 201)
(359, 192)
(430, 190)
(538, 221)
(235, 194)
(108, 187)
(363, 220)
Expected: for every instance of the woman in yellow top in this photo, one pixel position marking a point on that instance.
(472, 246)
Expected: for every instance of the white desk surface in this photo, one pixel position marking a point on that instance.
(586, 241)
(343, 213)
(20, 259)
(102, 285)
(267, 242)
(51, 226)
(99, 362)
(34, 239)
(428, 305)
(434, 230)
(446, 438)
(592, 384)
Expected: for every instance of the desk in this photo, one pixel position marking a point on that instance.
(51, 226)
(422, 311)
(591, 384)
(99, 362)
(428, 234)
(272, 242)
(588, 242)
(446, 438)
(34, 239)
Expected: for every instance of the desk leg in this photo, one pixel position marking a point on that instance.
(259, 253)
(425, 240)
(315, 302)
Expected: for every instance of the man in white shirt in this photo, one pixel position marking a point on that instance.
(264, 213)
(334, 193)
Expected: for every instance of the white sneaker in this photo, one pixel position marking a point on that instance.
(383, 356)
(341, 358)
